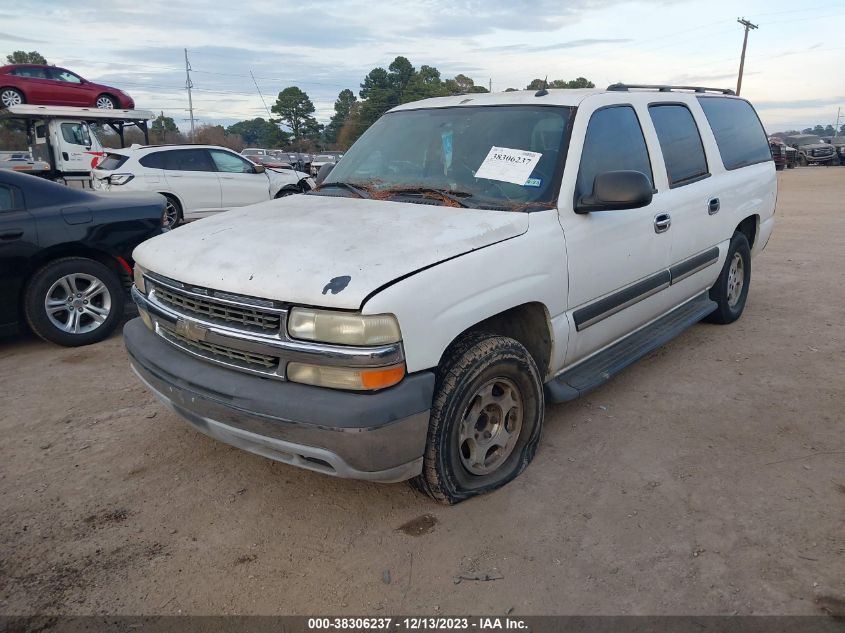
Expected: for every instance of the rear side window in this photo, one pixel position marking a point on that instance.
(188, 160)
(153, 161)
(680, 143)
(7, 198)
(614, 141)
(112, 162)
(738, 131)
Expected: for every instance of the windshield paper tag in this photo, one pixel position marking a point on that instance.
(534, 182)
(508, 165)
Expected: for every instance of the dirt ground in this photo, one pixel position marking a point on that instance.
(709, 478)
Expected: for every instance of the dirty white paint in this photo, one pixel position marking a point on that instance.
(290, 249)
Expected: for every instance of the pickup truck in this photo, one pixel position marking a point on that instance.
(468, 260)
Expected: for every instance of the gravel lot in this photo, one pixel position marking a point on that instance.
(709, 478)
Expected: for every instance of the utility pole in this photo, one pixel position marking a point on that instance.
(836, 127)
(163, 129)
(188, 85)
(491, 84)
(747, 26)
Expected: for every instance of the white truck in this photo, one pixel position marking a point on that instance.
(468, 260)
(61, 141)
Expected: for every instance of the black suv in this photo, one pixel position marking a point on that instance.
(812, 150)
(66, 256)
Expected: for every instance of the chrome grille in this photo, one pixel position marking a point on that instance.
(248, 317)
(262, 363)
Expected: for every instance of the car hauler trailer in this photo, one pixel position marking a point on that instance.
(61, 141)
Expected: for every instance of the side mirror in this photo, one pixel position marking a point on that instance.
(260, 169)
(324, 171)
(617, 190)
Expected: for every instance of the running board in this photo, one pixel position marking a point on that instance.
(600, 368)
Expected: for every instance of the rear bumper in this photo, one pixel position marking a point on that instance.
(377, 437)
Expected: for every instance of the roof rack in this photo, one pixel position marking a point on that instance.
(665, 88)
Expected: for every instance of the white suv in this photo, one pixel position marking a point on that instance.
(468, 260)
(197, 180)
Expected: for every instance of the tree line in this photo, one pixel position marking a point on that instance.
(818, 130)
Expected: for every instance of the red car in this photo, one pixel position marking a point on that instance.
(50, 85)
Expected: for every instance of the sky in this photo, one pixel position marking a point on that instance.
(793, 69)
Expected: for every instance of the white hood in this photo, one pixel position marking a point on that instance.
(300, 249)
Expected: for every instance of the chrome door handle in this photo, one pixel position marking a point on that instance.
(662, 222)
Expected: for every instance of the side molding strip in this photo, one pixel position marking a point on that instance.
(610, 305)
(694, 264)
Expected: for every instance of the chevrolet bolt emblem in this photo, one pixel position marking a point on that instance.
(191, 331)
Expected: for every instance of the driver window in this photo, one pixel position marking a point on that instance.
(224, 161)
(76, 133)
(614, 141)
(64, 75)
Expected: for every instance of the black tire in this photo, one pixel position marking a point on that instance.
(172, 215)
(40, 285)
(779, 167)
(103, 100)
(731, 303)
(473, 362)
(287, 191)
(9, 95)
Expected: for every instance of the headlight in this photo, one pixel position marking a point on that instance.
(120, 179)
(138, 274)
(345, 377)
(343, 328)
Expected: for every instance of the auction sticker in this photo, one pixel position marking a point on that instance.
(508, 165)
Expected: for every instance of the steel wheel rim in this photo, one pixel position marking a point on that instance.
(736, 279)
(105, 103)
(78, 303)
(171, 215)
(11, 98)
(490, 426)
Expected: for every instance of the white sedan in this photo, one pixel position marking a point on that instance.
(197, 180)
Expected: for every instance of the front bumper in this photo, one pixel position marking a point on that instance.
(374, 436)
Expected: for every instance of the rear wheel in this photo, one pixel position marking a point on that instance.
(106, 102)
(731, 288)
(11, 97)
(172, 215)
(74, 301)
(486, 418)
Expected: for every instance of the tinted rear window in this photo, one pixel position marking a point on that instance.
(7, 199)
(112, 162)
(680, 143)
(188, 160)
(153, 161)
(739, 133)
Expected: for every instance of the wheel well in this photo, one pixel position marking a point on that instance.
(748, 227)
(73, 250)
(175, 198)
(527, 323)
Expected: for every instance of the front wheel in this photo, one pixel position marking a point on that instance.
(74, 301)
(731, 288)
(106, 102)
(486, 418)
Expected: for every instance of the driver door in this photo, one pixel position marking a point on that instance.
(74, 146)
(618, 260)
(240, 185)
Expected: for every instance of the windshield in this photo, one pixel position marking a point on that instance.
(486, 156)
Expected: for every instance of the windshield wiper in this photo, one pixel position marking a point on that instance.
(452, 196)
(361, 193)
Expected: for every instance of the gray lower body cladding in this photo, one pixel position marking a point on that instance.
(375, 436)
